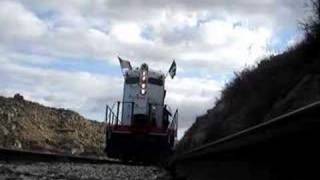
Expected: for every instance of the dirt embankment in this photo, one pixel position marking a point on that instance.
(31, 126)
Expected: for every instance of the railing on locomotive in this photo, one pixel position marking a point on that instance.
(113, 119)
(174, 123)
(110, 118)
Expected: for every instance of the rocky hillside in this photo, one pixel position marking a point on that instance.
(31, 126)
(274, 86)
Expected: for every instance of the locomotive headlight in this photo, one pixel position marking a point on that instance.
(143, 91)
(143, 82)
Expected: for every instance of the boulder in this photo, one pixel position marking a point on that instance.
(18, 97)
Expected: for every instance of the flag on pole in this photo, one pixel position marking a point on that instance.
(173, 69)
(125, 65)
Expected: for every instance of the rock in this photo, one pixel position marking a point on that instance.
(4, 130)
(18, 97)
(77, 150)
(17, 144)
(13, 127)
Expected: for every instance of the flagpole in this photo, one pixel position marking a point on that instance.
(166, 75)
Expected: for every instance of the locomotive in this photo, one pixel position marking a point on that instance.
(141, 126)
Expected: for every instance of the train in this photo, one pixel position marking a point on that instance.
(141, 126)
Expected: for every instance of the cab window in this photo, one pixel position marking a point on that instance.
(155, 81)
(132, 80)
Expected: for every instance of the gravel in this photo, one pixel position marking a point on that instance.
(71, 171)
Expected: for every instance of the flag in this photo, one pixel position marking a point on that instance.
(124, 64)
(173, 69)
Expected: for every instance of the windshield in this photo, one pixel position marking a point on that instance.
(135, 80)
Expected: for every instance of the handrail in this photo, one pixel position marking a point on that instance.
(174, 123)
(114, 119)
(111, 118)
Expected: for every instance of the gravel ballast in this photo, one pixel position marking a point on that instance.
(71, 171)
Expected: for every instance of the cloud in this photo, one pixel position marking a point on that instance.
(88, 93)
(18, 24)
(127, 33)
(208, 39)
(81, 91)
(80, 28)
(192, 96)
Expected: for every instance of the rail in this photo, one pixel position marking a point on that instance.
(276, 126)
(285, 147)
(12, 155)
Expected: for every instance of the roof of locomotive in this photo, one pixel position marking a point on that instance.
(151, 73)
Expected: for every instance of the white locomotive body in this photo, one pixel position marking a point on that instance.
(144, 89)
(142, 125)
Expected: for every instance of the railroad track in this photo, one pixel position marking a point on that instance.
(17, 164)
(11, 155)
(280, 147)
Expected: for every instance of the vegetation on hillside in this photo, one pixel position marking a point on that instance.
(274, 86)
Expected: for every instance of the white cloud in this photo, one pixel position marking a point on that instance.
(80, 91)
(181, 30)
(127, 33)
(18, 24)
(295, 40)
(206, 37)
(88, 93)
(192, 96)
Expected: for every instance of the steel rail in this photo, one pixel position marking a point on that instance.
(214, 146)
(12, 155)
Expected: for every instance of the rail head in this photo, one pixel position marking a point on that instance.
(287, 116)
(14, 155)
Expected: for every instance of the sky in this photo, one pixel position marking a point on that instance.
(64, 53)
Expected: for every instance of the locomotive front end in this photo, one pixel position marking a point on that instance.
(141, 125)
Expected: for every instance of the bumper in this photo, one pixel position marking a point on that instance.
(137, 146)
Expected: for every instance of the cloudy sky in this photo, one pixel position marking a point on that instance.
(64, 53)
